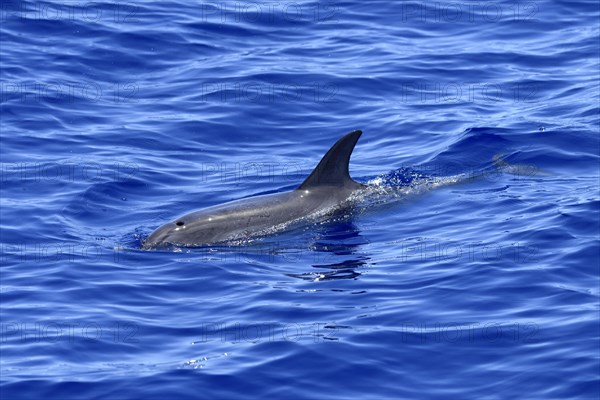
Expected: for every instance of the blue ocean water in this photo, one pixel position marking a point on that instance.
(470, 270)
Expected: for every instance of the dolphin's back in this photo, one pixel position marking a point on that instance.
(242, 218)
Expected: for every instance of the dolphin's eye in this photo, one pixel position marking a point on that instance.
(179, 223)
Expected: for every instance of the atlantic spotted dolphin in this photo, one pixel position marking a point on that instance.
(328, 187)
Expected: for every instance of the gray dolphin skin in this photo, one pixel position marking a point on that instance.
(327, 187)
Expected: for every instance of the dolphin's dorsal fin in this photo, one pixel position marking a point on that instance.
(333, 168)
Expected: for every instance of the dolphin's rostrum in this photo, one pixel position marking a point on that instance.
(328, 186)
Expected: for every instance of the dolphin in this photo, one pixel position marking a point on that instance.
(328, 187)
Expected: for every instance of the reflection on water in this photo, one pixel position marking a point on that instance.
(337, 249)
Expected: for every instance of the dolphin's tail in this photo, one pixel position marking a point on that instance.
(524, 170)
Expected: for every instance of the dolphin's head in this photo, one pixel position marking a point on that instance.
(191, 229)
(163, 236)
